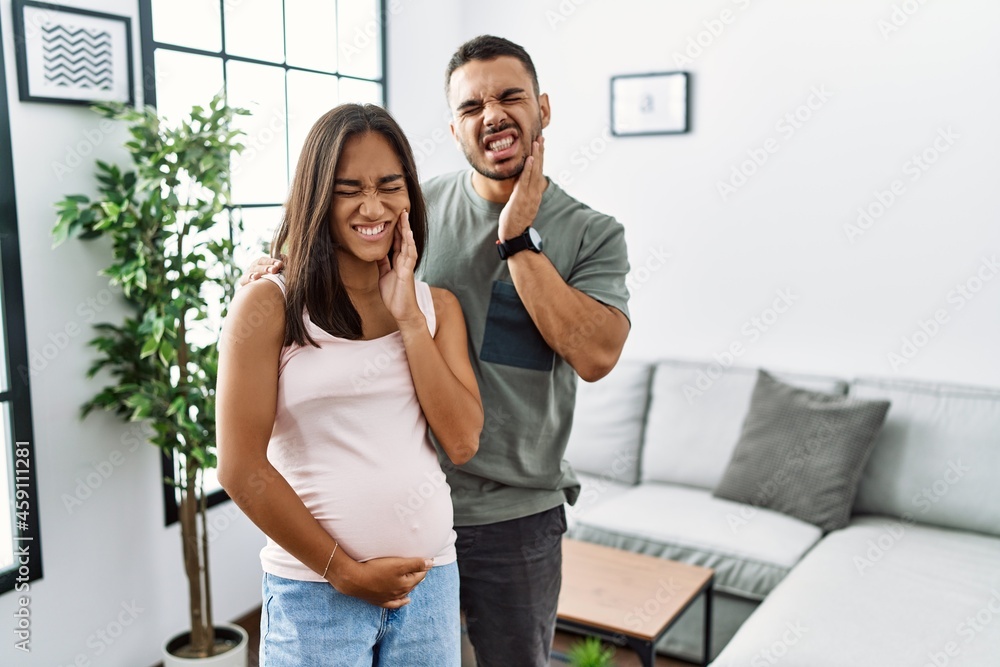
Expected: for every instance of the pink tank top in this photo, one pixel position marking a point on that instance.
(351, 439)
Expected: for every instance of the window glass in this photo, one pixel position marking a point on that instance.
(256, 29)
(285, 61)
(259, 225)
(361, 92)
(310, 96)
(193, 23)
(184, 80)
(19, 507)
(260, 172)
(311, 29)
(359, 29)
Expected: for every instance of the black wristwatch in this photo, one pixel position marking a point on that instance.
(529, 240)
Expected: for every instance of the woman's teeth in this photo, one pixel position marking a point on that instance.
(501, 145)
(371, 231)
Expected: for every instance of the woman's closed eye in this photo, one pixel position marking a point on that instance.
(390, 189)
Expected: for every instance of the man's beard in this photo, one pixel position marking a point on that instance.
(493, 175)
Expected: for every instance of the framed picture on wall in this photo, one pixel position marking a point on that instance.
(644, 104)
(72, 56)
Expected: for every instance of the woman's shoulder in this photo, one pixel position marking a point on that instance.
(257, 309)
(261, 291)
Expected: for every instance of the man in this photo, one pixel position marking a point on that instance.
(553, 309)
(541, 280)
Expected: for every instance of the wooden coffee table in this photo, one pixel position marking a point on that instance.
(629, 599)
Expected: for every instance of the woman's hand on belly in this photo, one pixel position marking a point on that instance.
(383, 582)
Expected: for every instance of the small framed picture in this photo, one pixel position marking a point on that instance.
(643, 104)
(72, 56)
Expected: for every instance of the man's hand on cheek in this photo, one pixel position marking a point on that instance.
(261, 266)
(522, 207)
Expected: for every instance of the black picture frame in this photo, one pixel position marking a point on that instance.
(650, 104)
(67, 55)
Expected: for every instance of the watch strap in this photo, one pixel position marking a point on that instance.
(515, 245)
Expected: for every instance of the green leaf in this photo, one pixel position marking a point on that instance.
(158, 328)
(176, 406)
(149, 347)
(167, 351)
(111, 209)
(60, 232)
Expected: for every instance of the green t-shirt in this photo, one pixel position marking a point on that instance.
(528, 391)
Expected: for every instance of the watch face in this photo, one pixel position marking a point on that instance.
(535, 239)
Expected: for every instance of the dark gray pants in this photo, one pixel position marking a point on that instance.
(510, 576)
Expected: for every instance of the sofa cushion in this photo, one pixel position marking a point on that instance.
(880, 592)
(594, 491)
(750, 550)
(696, 413)
(609, 421)
(802, 452)
(937, 458)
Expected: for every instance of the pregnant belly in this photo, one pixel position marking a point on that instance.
(404, 514)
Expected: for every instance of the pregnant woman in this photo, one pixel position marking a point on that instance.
(329, 377)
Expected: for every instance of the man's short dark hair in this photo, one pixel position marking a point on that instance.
(488, 47)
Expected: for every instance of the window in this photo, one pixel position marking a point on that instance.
(288, 62)
(20, 546)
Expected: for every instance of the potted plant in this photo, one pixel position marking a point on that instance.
(590, 652)
(176, 273)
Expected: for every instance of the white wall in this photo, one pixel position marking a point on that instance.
(784, 229)
(112, 549)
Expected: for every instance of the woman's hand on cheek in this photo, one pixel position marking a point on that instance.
(396, 282)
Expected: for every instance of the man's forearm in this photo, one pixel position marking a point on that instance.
(586, 333)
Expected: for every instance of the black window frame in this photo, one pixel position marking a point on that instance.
(26, 534)
(148, 47)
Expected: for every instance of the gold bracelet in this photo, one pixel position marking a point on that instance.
(327, 568)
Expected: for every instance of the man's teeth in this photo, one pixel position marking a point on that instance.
(502, 144)
(371, 231)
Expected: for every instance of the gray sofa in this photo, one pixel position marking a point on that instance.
(914, 579)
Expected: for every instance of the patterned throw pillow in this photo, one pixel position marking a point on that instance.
(802, 452)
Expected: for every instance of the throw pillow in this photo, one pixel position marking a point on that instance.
(802, 452)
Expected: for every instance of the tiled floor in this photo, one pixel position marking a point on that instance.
(623, 657)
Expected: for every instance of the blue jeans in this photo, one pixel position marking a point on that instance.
(310, 624)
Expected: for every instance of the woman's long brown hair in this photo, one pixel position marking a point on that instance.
(312, 274)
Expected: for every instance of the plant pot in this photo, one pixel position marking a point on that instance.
(232, 635)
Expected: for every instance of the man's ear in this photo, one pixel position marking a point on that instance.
(545, 110)
(454, 133)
